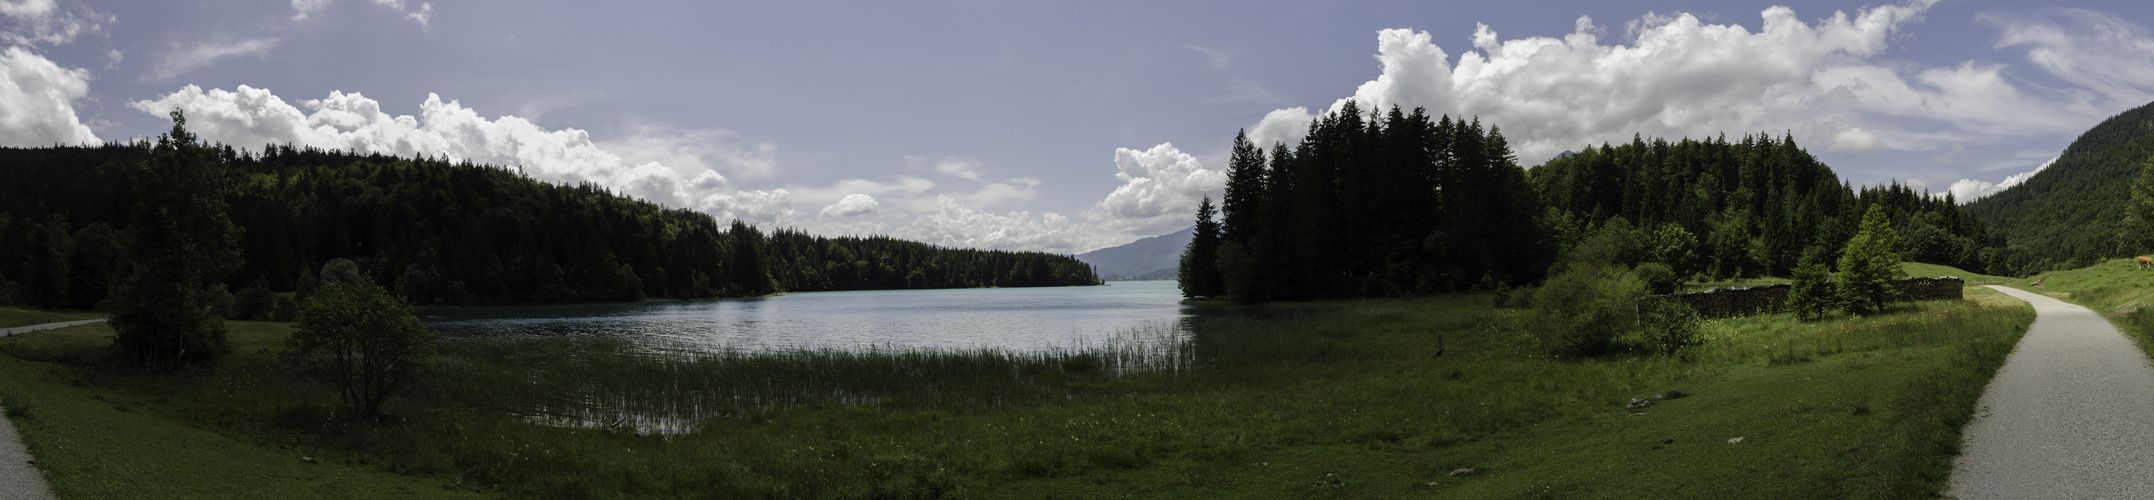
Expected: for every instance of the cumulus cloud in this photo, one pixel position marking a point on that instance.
(950, 223)
(33, 22)
(37, 101)
(193, 56)
(1679, 76)
(249, 117)
(852, 205)
(1159, 192)
(1968, 190)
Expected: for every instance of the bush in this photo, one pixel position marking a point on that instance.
(252, 304)
(1669, 326)
(362, 340)
(285, 309)
(1582, 309)
(1811, 295)
(1658, 278)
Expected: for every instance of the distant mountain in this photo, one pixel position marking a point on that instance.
(1154, 258)
(2066, 215)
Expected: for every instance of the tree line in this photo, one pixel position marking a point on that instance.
(2069, 216)
(1395, 203)
(438, 232)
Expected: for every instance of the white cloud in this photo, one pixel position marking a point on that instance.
(698, 150)
(32, 22)
(1159, 192)
(1968, 190)
(1678, 76)
(949, 223)
(37, 101)
(2098, 51)
(950, 165)
(199, 54)
(251, 117)
(1856, 140)
(852, 205)
(302, 9)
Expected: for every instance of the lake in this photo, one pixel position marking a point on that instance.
(1014, 319)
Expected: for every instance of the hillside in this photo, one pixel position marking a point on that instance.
(450, 233)
(1154, 258)
(2065, 216)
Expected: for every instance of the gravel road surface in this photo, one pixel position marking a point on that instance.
(2070, 415)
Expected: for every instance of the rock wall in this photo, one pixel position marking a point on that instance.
(1726, 302)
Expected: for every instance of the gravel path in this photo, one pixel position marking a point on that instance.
(19, 477)
(2070, 415)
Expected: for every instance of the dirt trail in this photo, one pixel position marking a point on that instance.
(2070, 415)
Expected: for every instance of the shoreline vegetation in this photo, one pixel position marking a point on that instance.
(1288, 400)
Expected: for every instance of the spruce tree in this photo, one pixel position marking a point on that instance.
(1869, 263)
(184, 247)
(2135, 233)
(1199, 272)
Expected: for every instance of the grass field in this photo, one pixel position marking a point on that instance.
(1326, 400)
(2118, 289)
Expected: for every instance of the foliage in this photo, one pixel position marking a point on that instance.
(1199, 274)
(362, 340)
(184, 247)
(1739, 209)
(448, 233)
(1670, 327)
(1868, 264)
(1658, 278)
(2135, 232)
(1811, 295)
(1376, 205)
(1582, 309)
(2065, 216)
(254, 303)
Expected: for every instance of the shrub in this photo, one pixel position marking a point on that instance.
(1658, 278)
(285, 309)
(1811, 295)
(252, 303)
(1583, 308)
(1669, 326)
(362, 340)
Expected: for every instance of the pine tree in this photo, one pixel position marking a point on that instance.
(1199, 273)
(1869, 263)
(184, 247)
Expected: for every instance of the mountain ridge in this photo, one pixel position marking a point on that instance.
(1149, 258)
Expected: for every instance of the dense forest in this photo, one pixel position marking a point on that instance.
(1375, 205)
(2067, 215)
(440, 232)
(1720, 209)
(1393, 203)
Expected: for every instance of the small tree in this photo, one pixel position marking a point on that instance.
(1811, 296)
(1659, 279)
(183, 248)
(1670, 326)
(1869, 263)
(361, 339)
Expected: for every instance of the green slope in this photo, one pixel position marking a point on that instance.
(2064, 217)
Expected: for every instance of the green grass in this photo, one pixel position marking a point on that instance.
(13, 317)
(2118, 289)
(1325, 400)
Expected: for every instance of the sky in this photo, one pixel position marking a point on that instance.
(1057, 126)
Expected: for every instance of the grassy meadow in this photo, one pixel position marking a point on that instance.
(13, 317)
(2117, 288)
(1314, 400)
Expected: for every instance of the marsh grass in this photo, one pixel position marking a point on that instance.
(1342, 399)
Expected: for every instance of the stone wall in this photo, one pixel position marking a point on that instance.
(1726, 302)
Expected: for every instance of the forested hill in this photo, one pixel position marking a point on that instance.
(2066, 216)
(1752, 207)
(1397, 203)
(451, 233)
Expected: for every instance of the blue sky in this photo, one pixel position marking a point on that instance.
(1056, 126)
